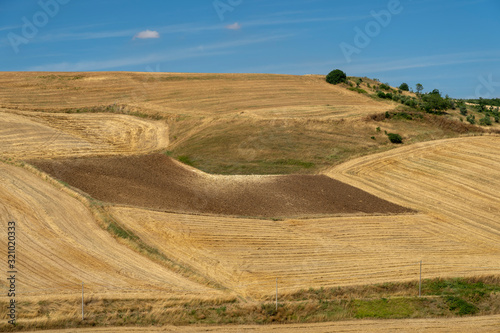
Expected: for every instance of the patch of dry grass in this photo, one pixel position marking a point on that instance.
(389, 300)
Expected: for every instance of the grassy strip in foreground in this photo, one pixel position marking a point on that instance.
(441, 298)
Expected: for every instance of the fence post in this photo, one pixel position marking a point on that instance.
(420, 281)
(276, 294)
(82, 302)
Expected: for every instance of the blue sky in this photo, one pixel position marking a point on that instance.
(451, 45)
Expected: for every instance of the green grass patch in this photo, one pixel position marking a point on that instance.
(118, 231)
(358, 90)
(470, 289)
(302, 164)
(385, 308)
(185, 159)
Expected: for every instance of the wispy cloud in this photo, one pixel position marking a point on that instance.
(87, 35)
(243, 42)
(208, 50)
(234, 26)
(126, 33)
(385, 65)
(287, 21)
(147, 34)
(377, 66)
(10, 27)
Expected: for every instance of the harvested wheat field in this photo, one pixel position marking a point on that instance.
(35, 135)
(159, 182)
(60, 245)
(178, 93)
(454, 182)
(247, 255)
(135, 224)
(484, 324)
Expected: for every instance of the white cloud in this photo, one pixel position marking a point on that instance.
(234, 26)
(147, 34)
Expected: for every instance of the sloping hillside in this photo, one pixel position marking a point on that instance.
(455, 234)
(60, 245)
(33, 135)
(177, 93)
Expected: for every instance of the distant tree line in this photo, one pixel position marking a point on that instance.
(430, 102)
(484, 101)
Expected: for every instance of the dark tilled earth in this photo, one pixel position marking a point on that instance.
(159, 182)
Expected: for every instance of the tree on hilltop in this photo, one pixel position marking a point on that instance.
(419, 88)
(404, 87)
(336, 76)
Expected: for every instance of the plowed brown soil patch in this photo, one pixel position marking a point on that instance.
(159, 182)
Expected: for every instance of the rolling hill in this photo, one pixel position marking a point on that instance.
(88, 173)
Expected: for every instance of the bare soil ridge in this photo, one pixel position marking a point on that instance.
(158, 182)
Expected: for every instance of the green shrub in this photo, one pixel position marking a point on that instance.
(485, 121)
(358, 90)
(411, 103)
(336, 76)
(433, 102)
(385, 86)
(471, 119)
(395, 138)
(460, 306)
(403, 115)
(463, 110)
(404, 87)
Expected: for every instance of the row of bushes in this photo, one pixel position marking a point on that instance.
(431, 102)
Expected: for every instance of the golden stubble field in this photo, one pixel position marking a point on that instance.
(452, 184)
(27, 135)
(182, 93)
(210, 95)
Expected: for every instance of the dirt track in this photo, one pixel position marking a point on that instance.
(159, 182)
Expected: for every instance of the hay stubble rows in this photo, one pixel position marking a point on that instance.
(452, 185)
